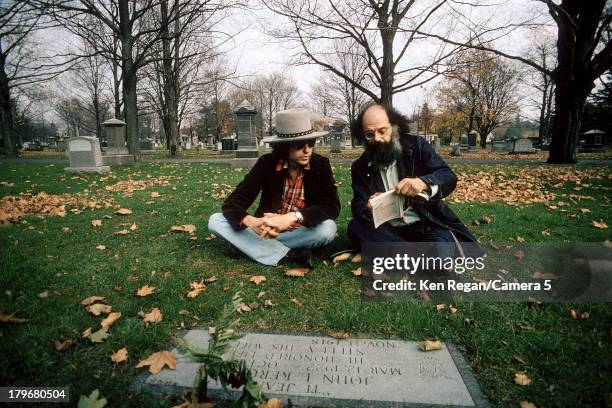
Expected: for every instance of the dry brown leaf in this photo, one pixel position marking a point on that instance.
(99, 336)
(272, 403)
(258, 279)
(87, 332)
(120, 355)
(522, 379)
(188, 228)
(584, 315)
(260, 294)
(574, 314)
(154, 316)
(452, 309)
(96, 223)
(356, 258)
(269, 303)
(123, 211)
(519, 359)
(112, 318)
(210, 237)
(430, 345)
(43, 294)
(63, 345)
(340, 258)
(297, 272)
(133, 227)
(357, 272)
(545, 275)
(157, 361)
(211, 279)
(196, 289)
(154, 194)
(527, 404)
(101, 247)
(338, 335)
(599, 224)
(487, 219)
(520, 239)
(146, 290)
(297, 302)
(121, 232)
(99, 308)
(440, 306)
(92, 299)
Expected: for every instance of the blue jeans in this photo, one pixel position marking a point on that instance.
(270, 251)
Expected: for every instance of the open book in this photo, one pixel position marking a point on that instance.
(389, 206)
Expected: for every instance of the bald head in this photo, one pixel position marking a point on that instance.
(376, 124)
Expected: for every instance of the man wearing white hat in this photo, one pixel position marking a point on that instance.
(299, 200)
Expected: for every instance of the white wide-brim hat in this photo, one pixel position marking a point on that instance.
(293, 125)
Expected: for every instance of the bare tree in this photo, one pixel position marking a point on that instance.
(544, 53)
(382, 31)
(584, 53)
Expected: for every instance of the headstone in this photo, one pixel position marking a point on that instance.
(523, 146)
(245, 131)
(146, 144)
(337, 136)
(593, 141)
(499, 146)
(456, 151)
(463, 142)
(472, 140)
(85, 155)
(116, 152)
(323, 371)
(227, 146)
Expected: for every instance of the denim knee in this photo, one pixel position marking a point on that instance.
(326, 231)
(215, 222)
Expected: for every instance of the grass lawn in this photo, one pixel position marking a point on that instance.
(48, 265)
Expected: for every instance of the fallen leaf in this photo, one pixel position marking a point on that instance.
(519, 255)
(44, 294)
(210, 237)
(356, 258)
(121, 232)
(545, 275)
(574, 314)
(99, 308)
(441, 306)
(258, 279)
(63, 345)
(92, 401)
(272, 403)
(120, 355)
(123, 211)
(154, 194)
(297, 302)
(524, 326)
(340, 258)
(260, 294)
(211, 279)
(212, 330)
(92, 299)
(101, 247)
(584, 315)
(599, 224)
(154, 316)
(519, 359)
(66, 229)
(157, 361)
(188, 228)
(487, 219)
(96, 223)
(546, 232)
(112, 318)
(87, 332)
(338, 335)
(430, 345)
(522, 379)
(146, 290)
(357, 272)
(453, 310)
(197, 288)
(99, 336)
(297, 272)
(527, 404)
(133, 227)
(269, 303)
(520, 239)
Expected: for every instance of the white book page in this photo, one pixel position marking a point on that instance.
(387, 206)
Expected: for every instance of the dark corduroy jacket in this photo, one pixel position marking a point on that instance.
(418, 159)
(320, 192)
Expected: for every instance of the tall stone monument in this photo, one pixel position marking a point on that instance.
(337, 137)
(247, 153)
(85, 156)
(472, 140)
(116, 152)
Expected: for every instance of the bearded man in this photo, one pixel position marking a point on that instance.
(396, 160)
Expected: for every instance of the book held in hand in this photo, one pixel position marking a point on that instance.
(389, 206)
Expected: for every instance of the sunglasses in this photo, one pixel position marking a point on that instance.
(301, 145)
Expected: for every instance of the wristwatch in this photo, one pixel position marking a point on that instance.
(299, 216)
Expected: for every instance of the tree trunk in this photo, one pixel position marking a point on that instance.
(7, 123)
(387, 75)
(169, 84)
(130, 100)
(569, 106)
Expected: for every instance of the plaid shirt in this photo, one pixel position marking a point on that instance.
(293, 191)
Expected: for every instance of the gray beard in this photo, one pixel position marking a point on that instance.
(382, 154)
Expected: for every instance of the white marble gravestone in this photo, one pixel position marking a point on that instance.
(85, 156)
(323, 371)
